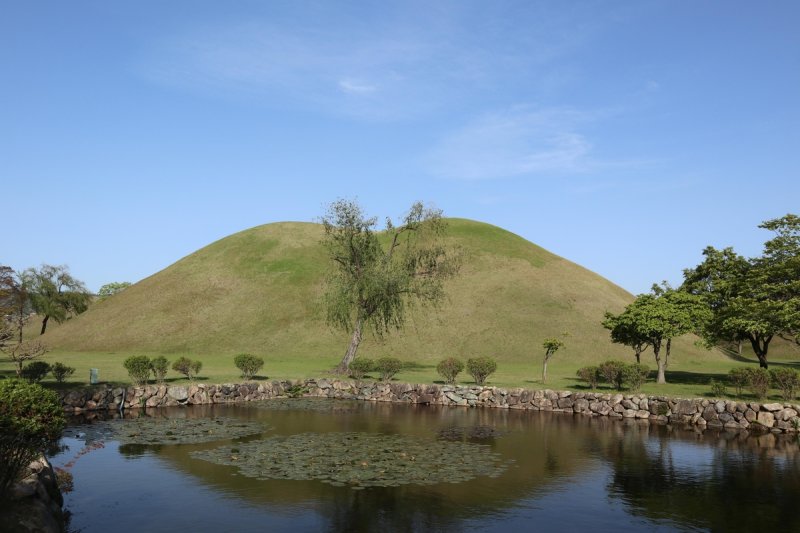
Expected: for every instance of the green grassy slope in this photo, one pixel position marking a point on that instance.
(258, 291)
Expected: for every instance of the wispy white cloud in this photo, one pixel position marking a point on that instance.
(518, 142)
(385, 64)
(352, 86)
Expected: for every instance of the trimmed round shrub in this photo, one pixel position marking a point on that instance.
(248, 364)
(611, 372)
(481, 368)
(450, 368)
(738, 379)
(718, 389)
(160, 366)
(138, 367)
(360, 367)
(388, 367)
(31, 418)
(589, 375)
(35, 372)
(787, 380)
(61, 371)
(758, 382)
(187, 367)
(635, 375)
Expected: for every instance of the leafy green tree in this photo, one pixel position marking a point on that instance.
(55, 294)
(377, 276)
(660, 316)
(551, 346)
(624, 331)
(110, 289)
(755, 299)
(14, 306)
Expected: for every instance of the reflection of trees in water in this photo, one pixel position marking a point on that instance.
(734, 484)
(389, 510)
(720, 481)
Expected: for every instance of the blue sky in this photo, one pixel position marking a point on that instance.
(624, 136)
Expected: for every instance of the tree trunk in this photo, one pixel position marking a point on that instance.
(544, 371)
(666, 356)
(638, 353)
(760, 347)
(44, 324)
(355, 340)
(662, 378)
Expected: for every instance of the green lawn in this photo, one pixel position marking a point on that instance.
(685, 378)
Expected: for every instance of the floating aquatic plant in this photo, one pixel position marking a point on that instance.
(358, 459)
(154, 430)
(457, 433)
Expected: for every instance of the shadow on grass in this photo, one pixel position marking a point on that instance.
(734, 356)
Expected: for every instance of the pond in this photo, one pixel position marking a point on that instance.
(312, 465)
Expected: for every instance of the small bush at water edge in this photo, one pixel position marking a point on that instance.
(449, 369)
(160, 366)
(187, 367)
(481, 368)
(589, 375)
(31, 418)
(138, 367)
(758, 382)
(36, 371)
(718, 389)
(611, 371)
(360, 367)
(248, 364)
(61, 371)
(388, 367)
(787, 380)
(635, 375)
(738, 378)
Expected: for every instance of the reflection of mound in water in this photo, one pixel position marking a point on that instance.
(359, 459)
(457, 433)
(324, 405)
(153, 430)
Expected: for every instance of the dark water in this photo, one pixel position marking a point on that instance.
(562, 473)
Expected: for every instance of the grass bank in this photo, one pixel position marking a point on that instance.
(686, 377)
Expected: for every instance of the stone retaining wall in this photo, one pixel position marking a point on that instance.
(729, 414)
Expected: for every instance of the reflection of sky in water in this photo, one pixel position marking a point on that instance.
(568, 474)
(134, 494)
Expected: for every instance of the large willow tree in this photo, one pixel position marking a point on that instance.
(376, 276)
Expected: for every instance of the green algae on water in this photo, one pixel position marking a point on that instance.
(359, 460)
(158, 430)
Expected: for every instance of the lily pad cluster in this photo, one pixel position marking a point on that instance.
(359, 460)
(154, 430)
(457, 433)
(323, 405)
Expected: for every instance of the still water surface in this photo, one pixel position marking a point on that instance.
(555, 472)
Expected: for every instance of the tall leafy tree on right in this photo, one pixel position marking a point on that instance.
(755, 299)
